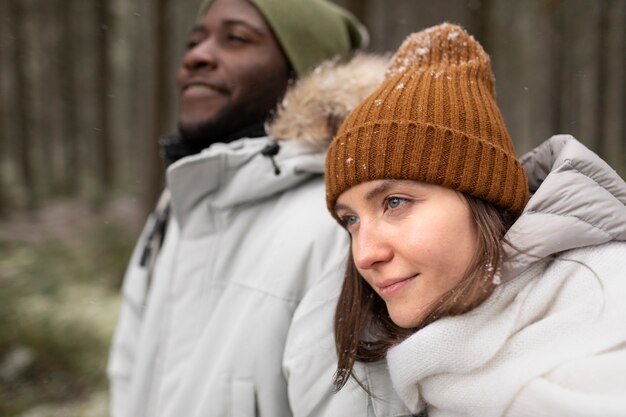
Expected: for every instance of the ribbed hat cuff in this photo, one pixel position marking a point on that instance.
(424, 152)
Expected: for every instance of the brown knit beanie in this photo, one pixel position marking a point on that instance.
(434, 119)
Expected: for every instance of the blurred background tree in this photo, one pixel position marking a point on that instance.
(86, 89)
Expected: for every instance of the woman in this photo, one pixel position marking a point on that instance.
(483, 301)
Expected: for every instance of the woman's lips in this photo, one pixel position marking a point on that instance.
(391, 287)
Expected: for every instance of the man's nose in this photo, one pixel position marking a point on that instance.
(201, 55)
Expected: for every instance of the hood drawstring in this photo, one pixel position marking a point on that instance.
(270, 151)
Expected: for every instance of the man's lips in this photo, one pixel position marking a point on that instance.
(392, 286)
(203, 86)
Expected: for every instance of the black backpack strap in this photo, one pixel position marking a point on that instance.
(154, 241)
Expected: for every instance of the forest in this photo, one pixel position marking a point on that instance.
(86, 90)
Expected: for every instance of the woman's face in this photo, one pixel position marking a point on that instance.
(411, 241)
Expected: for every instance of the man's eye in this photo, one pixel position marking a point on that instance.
(191, 44)
(236, 38)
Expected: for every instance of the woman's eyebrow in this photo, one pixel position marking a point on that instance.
(339, 207)
(373, 194)
(382, 188)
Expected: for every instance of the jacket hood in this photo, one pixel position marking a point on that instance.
(306, 120)
(577, 200)
(314, 108)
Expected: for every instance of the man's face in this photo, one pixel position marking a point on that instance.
(232, 74)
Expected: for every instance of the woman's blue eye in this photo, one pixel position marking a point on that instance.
(394, 202)
(349, 220)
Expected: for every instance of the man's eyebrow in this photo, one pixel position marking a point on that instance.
(238, 22)
(199, 28)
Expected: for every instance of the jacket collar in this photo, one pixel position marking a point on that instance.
(226, 175)
(175, 147)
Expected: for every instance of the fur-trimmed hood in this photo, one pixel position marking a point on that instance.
(316, 105)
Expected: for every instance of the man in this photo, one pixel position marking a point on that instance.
(231, 315)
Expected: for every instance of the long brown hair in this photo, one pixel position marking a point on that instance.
(364, 331)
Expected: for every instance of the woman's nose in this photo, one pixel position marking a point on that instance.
(371, 247)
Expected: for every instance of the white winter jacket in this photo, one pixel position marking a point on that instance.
(238, 317)
(551, 340)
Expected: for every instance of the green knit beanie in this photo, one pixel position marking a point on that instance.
(309, 31)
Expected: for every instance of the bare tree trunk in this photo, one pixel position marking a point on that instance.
(39, 26)
(614, 97)
(480, 14)
(104, 143)
(357, 7)
(4, 143)
(555, 44)
(23, 133)
(391, 21)
(620, 98)
(4, 209)
(69, 123)
(601, 73)
(159, 104)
